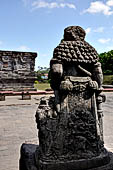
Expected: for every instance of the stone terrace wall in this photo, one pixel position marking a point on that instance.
(17, 70)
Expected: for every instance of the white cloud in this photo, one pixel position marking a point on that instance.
(110, 3)
(88, 30)
(62, 5)
(42, 4)
(104, 41)
(71, 6)
(99, 29)
(23, 48)
(100, 7)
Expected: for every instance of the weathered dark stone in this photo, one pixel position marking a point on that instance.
(73, 48)
(17, 70)
(26, 96)
(2, 97)
(71, 123)
(27, 160)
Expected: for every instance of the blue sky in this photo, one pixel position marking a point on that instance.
(38, 25)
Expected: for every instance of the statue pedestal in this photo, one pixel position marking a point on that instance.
(28, 162)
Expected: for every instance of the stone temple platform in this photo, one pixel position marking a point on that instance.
(17, 71)
(17, 125)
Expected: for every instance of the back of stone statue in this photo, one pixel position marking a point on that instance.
(70, 124)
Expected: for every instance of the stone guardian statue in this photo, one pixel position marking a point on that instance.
(70, 124)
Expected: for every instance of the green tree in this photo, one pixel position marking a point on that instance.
(41, 73)
(106, 60)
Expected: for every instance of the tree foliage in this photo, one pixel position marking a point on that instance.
(106, 60)
(41, 73)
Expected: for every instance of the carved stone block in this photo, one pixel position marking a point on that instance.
(27, 160)
(26, 96)
(17, 70)
(2, 97)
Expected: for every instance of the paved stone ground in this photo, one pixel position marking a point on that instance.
(17, 125)
(108, 121)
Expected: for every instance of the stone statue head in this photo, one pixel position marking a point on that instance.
(73, 33)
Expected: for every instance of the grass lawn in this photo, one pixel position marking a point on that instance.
(42, 86)
(108, 79)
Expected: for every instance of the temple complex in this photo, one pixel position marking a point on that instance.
(17, 70)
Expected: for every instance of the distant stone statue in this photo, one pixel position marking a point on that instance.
(70, 124)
